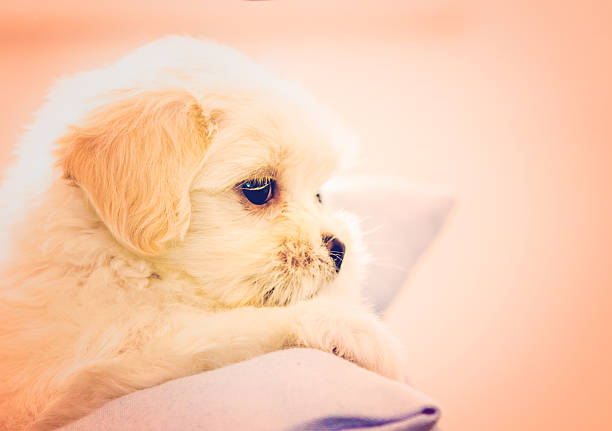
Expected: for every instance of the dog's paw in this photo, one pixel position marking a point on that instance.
(355, 335)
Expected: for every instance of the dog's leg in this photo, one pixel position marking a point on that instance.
(193, 342)
(351, 332)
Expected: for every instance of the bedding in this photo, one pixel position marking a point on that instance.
(293, 390)
(399, 220)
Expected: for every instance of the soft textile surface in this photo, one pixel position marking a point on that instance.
(297, 390)
(399, 221)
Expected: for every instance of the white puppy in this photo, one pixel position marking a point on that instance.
(164, 219)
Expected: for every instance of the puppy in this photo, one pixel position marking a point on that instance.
(165, 219)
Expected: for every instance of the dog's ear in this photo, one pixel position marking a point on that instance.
(135, 158)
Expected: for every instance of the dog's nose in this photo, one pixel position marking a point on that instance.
(336, 249)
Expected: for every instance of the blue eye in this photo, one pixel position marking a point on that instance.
(259, 191)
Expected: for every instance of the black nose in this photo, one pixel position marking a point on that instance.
(336, 249)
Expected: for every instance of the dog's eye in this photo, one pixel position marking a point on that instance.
(318, 196)
(258, 191)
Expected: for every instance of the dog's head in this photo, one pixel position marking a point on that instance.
(216, 178)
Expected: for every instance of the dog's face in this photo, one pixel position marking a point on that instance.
(222, 188)
(260, 233)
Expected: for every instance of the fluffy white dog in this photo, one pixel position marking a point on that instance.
(164, 219)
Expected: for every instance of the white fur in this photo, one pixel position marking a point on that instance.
(130, 257)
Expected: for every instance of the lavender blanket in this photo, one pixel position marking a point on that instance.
(291, 390)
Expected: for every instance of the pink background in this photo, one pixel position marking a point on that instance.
(506, 104)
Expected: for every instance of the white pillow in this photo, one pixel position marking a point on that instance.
(399, 221)
(289, 390)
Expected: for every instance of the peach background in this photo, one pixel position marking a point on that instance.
(506, 104)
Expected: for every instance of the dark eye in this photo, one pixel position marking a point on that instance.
(258, 191)
(318, 196)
